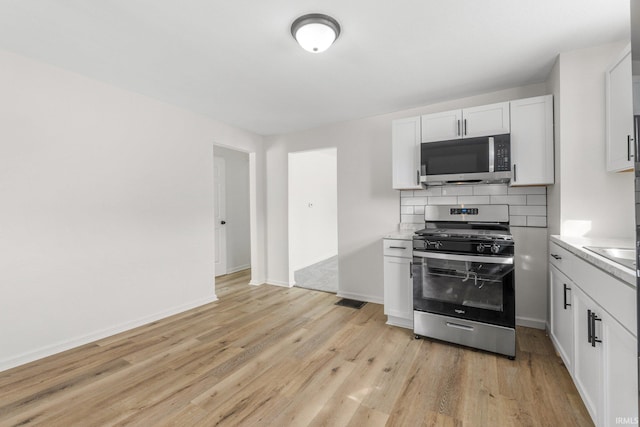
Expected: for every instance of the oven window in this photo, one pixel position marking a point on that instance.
(464, 283)
(455, 157)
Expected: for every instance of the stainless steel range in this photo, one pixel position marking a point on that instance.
(463, 277)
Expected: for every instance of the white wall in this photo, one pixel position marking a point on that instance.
(313, 208)
(368, 207)
(106, 208)
(589, 201)
(237, 208)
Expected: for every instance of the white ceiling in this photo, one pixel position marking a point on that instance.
(235, 60)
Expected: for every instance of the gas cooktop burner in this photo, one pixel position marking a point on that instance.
(465, 233)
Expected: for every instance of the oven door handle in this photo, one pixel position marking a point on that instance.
(471, 258)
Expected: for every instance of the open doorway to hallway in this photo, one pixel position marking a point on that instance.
(231, 210)
(313, 219)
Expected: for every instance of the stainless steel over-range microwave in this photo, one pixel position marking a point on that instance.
(471, 160)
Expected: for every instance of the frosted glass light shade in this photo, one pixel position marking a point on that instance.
(315, 32)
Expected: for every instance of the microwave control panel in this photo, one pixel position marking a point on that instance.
(502, 154)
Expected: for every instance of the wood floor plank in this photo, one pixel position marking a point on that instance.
(267, 355)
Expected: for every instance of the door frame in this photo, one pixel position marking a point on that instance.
(255, 227)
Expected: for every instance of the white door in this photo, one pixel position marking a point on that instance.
(619, 118)
(220, 216)
(562, 316)
(486, 120)
(442, 126)
(532, 141)
(405, 153)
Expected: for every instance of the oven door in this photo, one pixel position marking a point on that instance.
(473, 287)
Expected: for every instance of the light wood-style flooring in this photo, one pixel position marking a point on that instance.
(272, 356)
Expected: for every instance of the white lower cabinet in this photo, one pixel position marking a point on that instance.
(599, 352)
(398, 282)
(587, 373)
(562, 315)
(620, 373)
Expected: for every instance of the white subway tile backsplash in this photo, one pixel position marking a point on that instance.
(518, 221)
(407, 210)
(413, 219)
(474, 200)
(457, 190)
(536, 221)
(508, 200)
(537, 200)
(431, 191)
(450, 200)
(414, 201)
(527, 190)
(528, 210)
(527, 205)
(490, 190)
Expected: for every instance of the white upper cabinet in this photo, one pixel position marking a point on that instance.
(532, 141)
(619, 117)
(405, 153)
(442, 126)
(484, 120)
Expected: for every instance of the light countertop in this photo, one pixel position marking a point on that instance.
(575, 245)
(404, 232)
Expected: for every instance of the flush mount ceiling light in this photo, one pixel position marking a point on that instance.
(315, 32)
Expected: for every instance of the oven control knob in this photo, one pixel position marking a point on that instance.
(495, 248)
(480, 248)
(438, 244)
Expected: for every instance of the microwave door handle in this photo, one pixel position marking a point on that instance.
(492, 155)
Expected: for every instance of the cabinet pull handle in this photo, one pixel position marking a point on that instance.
(594, 319)
(459, 326)
(458, 127)
(418, 177)
(514, 173)
(410, 269)
(589, 326)
(566, 288)
(397, 247)
(629, 148)
(465, 126)
(556, 256)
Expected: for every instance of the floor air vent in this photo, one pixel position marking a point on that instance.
(351, 303)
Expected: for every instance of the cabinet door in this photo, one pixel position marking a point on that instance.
(532, 141)
(562, 315)
(405, 153)
(442, 126)
(587, 369)
(485, 120)
(619, 118)
(636, 95)
(398, 291)
(620, 372)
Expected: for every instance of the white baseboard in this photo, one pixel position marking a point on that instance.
(399, 321)
(531, 323)
(360, 297)
(238, 268)
(61, 346)
(278, 283)
(256, 282)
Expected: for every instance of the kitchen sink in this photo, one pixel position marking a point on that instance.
(623, 256)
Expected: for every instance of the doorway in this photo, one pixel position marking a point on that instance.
(231, 211)
(313, 219)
